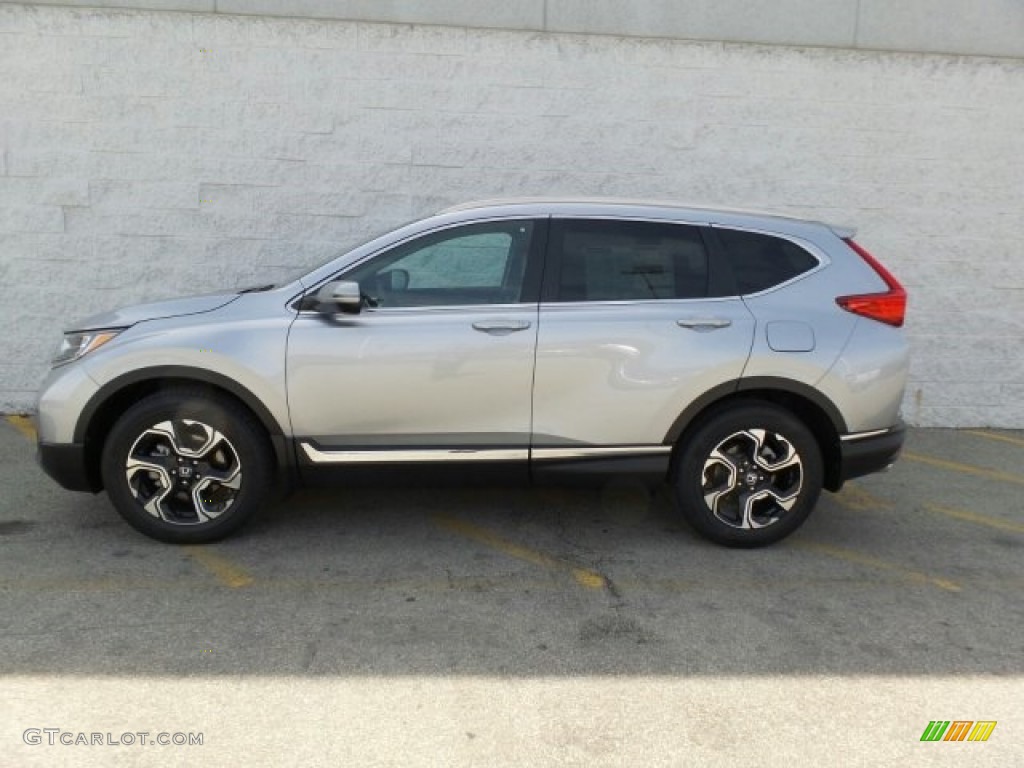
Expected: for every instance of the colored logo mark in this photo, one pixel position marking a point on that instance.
(958, 730)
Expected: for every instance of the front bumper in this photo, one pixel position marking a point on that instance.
(863, 454)
(66, 464)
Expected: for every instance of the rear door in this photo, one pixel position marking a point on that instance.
(628, 335)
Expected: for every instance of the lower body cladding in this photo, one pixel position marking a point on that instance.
(745, 478)
(864, 453)
(859, 454)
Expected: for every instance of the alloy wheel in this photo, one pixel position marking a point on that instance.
(752, 478)
(184, 472)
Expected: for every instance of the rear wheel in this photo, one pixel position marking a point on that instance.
(748, 475)
(183, 467)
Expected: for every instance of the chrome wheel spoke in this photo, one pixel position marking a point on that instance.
(193, 439)
(752, 478)
(199, 503)
(184, 472)
(747, 520)
(155, 504)
(225, 478)
(720, 476)
(156, 464)
(774, 452)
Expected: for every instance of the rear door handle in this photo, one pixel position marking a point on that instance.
(501, 327)
(702, 324)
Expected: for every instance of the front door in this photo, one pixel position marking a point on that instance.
(437, 367)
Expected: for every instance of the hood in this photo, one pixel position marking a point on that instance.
(126, 316)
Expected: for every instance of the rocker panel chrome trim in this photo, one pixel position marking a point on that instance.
(405, 456)
(548, 454)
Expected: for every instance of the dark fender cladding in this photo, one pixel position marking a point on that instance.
(164, 372)
(159, 374)
(767, 383)
(803, 390)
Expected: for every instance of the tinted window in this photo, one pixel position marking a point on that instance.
(628, 261)
(474, 264)
(762, 261)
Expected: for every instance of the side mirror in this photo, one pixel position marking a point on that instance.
(339, 296)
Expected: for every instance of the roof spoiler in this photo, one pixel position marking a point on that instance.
(841, 231)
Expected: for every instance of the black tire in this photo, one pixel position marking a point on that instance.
(716, 461)
(197, 508)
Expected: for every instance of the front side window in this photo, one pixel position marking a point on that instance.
(628, 261)
(763, 261)
(472, 264)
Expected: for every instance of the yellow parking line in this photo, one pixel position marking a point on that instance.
(24, 425)
(974, 517)
(969, 469)
(993, 436)
(583, 576)
(856, 498)
(873, 562)
(228, 573)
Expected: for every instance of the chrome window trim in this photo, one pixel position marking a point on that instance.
(370, 311)
(630, 302)
(641, 219)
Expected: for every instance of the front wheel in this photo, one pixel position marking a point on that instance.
(184, 467)
(749, 475)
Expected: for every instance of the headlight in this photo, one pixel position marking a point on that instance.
(75, 345)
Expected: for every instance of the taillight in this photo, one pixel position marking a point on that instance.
(889, 307)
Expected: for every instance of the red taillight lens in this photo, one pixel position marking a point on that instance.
(889, 307)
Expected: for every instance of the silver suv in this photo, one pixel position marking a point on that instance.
(749, 360)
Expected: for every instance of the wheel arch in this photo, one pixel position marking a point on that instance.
(816, 411)
(103, 408)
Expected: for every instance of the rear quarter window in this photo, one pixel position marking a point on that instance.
(763, 261)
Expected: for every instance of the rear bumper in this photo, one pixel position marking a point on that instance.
(869, 452)
(65, 463)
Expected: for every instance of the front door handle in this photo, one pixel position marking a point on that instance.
(702, 324)
(501, 327)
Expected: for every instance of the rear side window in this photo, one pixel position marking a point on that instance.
(628, 261)
(762, 261)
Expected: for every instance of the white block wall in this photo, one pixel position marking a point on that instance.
(151, 154)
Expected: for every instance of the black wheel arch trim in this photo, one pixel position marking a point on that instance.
(282, 448)
(161, 373)
(750, 384)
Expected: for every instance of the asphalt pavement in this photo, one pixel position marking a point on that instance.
(545, 626)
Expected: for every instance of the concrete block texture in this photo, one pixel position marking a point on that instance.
(522, 14)
(976, 27)
(148, 154)
(971, 27)
(799, 22)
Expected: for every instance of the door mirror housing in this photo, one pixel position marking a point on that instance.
(339, 296)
